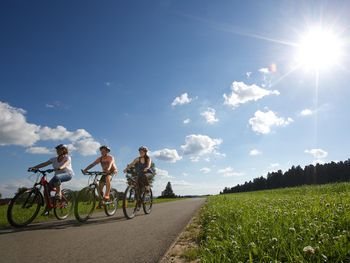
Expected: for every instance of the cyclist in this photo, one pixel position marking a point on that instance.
(108, 167)
(142, 165)
(62, 164)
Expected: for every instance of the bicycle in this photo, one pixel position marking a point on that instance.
(135, 196)
(86, 199)
(25, 205)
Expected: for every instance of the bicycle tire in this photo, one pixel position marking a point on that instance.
(27, 198)
(111, 206)
(130, 202)
(85, 204)
(147, 205)
(64, 207)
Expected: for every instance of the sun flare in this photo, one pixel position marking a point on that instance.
(319, 49)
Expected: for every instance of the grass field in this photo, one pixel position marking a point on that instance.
(304, 224)
(39, 218)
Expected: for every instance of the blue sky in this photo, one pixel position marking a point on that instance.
(211, 88)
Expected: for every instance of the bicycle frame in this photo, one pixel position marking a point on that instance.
(43, 183)
(95, 184)
(135, 181)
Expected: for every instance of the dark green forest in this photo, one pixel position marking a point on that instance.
(311, 174)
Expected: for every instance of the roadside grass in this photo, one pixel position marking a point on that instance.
(301, 224)
(39, 218)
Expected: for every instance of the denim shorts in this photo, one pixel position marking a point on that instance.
(59, 178)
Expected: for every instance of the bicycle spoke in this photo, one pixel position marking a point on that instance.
(24, 207)
(85, 204)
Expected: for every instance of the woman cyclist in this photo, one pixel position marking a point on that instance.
(142, 165)
(62, 164)
(108, 167)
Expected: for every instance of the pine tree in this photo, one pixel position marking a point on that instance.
(168, 192)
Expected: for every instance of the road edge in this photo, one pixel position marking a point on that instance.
(168, 255)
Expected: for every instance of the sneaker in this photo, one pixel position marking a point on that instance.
(46, 212)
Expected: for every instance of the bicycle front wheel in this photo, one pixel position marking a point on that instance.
(130, 202)
(111, 206)
(85, 204)
(147, 201)
(64, 207)
(24, 207)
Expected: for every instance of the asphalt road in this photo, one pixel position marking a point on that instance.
(145, 238)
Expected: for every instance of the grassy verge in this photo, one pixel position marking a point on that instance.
(186, 247)
(303, 224)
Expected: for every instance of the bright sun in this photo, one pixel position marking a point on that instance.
(318, 49)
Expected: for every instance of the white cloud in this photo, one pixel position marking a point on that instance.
(205, 170)
(209, 115)
(306, 112)
(47, 105)
(229, 172)
(15, 130)
(264, 70)
(181, 100)
(262, 122)
(108, 83)
(243, 93)
(197, 144)
(61, 133)
(163, 173)
(168, 155)
(273, 165)
(194, 159)
(186, 121)
(255, 152)
(317, 153)
(39, 150)
(86, 146)
(248, 74)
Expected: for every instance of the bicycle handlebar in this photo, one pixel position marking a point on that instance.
(93, 173)
(41, 171)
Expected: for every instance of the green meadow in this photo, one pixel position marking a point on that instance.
(302, 224)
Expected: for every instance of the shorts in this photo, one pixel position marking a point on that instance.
(103, 178)
(59, 178)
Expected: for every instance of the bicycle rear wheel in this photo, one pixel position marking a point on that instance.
(64, 207)
(130, 202)
(24, 207)
(85, 204)
(147, 201)
(111, 206)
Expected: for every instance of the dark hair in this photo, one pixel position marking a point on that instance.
(65, 150)
(62, 147)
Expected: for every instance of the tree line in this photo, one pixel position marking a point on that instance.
(311, 174)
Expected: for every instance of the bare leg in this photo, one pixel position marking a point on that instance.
(108, 186)
(101, 185)
(58, 191)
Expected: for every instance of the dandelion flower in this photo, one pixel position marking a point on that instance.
(309, 250)
(292, 229)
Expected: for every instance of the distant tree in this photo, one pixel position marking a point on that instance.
(295, 176)
(0, 195)
(20, 189)
(168, 192)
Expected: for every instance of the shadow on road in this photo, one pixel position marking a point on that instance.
(71, 222)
